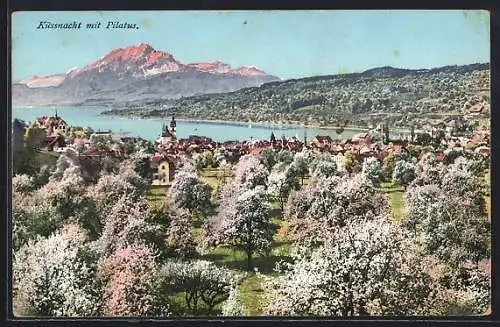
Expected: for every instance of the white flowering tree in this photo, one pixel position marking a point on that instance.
(190, 192)
(22, 184)
(243, 222)
(178, 238)
(128, 172)
(127, 223)
(108, 190)
(318, 209)
(32, 216)
(141, 160)
(41, 211)
(66, 194)
(285, 157)
(364, 269)
(250, 173)
(206, 159)
(281, 182)
(324, 169)
(403, 173)
(200, 281)
(51, 278)
(450, 217)
(372, 169)
(300, 163)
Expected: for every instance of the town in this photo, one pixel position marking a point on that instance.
(53, 134)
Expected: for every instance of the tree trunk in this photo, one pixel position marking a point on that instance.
(249, 260)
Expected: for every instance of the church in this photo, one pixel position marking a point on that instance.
(167, 135)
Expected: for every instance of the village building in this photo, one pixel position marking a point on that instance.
(53, 125)
(362, 138)
(322, 141)
(165, 169)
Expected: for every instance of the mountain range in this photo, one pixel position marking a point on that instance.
(135, 73)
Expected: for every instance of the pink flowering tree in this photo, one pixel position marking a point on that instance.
(459, 291)
(429, 170)
(51, 278)
(129, 277)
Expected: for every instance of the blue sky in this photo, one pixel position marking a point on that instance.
(288, 44)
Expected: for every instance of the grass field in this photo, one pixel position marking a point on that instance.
(396, 201)
(157, 194)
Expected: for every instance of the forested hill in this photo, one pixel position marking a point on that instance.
(326, 100)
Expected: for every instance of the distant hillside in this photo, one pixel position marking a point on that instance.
(396, 94)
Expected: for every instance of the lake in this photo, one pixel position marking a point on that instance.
(150, 129)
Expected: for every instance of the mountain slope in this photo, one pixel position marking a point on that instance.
(135, 73)
(390, 94)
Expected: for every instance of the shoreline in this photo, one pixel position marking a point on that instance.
(270, 125)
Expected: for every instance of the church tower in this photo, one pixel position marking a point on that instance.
(173, 127)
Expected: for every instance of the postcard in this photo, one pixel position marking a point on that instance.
(315, 163)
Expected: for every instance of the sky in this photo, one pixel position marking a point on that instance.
(287, 44)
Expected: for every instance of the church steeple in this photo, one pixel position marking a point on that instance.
(173, 126)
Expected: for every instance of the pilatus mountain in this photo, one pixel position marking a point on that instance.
(135, 73)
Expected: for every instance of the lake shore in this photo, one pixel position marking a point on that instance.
(275, 125)
(242, 123)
